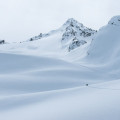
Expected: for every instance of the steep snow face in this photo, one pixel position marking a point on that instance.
(70, 30)
(115, 21)
(105, 46)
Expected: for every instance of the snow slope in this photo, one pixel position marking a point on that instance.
(42, 80)
(105, 46)
(69, 36)
(104, 52)
(96, 102)
(24, 74)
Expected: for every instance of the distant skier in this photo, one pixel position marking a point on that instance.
(86, 84)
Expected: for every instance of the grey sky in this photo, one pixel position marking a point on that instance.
(22, 19)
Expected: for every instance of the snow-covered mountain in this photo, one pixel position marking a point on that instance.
(59, 43)
(62, 75)
(73, 29)
(105, 46)
(73, 34)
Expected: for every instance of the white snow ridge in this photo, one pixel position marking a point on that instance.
(115, 21)
(72, 73)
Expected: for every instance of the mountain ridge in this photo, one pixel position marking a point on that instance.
(73, 34)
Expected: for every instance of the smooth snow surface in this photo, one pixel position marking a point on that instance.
(42, 80)
(96, 102)
(115, 21)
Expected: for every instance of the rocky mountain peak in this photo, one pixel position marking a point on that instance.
(72, 33)
(71, 22)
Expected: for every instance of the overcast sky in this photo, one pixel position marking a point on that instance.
(22, 19)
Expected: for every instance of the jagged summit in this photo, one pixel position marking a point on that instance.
(71, 30)
(72, 22)
(115, 20)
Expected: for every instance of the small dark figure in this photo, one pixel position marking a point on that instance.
(31, 39)
(2, 41)
(86, 84)
(40, 35)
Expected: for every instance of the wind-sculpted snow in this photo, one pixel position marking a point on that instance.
(77, 103)
(24, 74)
(105, 46)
